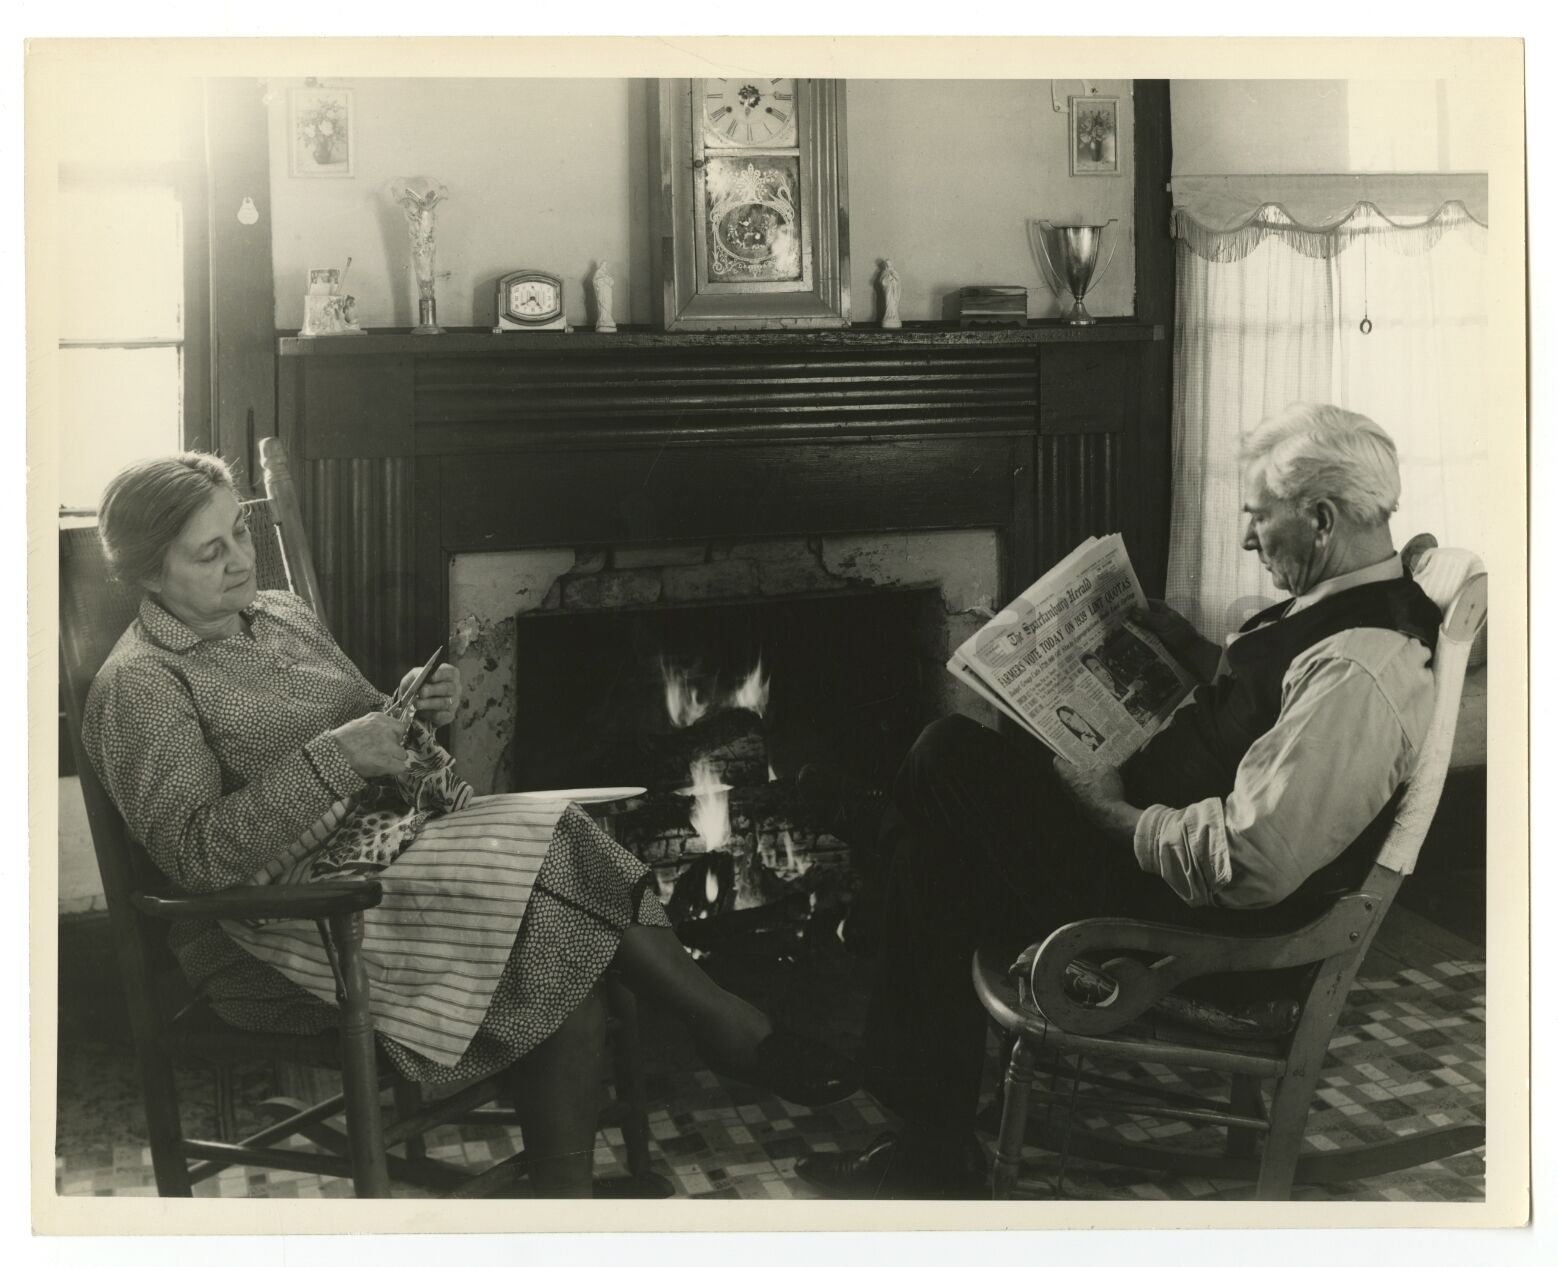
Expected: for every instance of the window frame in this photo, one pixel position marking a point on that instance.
(189, 179)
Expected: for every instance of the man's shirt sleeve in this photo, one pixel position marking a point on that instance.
(1355, 709)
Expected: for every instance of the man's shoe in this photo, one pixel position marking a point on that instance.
(799, 1070)
(886, 1170)
(850, 809)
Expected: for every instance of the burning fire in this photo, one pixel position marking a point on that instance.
(753, 693)
(794, 864)
(711, 805)
(683, 701)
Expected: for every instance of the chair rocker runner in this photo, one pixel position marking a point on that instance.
(93, 613)
(1077, 995)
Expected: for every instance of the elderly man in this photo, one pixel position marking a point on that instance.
(1268, 788)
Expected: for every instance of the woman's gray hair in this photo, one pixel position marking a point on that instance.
(1308, 451)
(145, 507)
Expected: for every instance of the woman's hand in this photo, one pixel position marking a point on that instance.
(1099, 791)
(439, 698)
(372, 745)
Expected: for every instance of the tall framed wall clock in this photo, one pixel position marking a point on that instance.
(752, 220)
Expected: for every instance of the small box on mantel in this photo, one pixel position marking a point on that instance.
(993, 306)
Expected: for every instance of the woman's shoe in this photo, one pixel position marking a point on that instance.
(800, 1070)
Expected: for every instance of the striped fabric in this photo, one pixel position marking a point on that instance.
(437, 944)
(302, 850)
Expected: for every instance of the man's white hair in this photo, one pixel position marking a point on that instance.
(1307, 451)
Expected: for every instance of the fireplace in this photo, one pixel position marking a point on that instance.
(734, 662)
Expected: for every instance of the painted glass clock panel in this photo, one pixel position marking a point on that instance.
(749, 113)
(752, 218)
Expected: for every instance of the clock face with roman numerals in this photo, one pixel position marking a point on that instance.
(749, 113)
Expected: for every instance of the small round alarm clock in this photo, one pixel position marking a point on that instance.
(530, 300)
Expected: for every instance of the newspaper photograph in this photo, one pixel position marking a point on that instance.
(1065, 661)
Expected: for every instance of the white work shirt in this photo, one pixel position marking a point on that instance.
(1355, 711)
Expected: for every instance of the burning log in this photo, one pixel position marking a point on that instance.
(706, 889)
(731, 740)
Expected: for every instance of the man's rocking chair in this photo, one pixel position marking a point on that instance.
(1086, 989)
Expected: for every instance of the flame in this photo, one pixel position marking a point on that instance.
(772, 777)
(753, 693)
(710, 886)
(711, 805)
(793, 864)
(683, 701)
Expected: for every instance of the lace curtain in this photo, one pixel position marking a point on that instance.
(1268, 313)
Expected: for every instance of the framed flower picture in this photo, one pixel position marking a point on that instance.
(320, 131)
(1095, 136)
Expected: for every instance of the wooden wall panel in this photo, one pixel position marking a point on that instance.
(1080, 492)
(359, 517)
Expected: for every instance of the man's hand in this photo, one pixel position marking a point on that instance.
(1100, 793)
(1200, 655)
(439, 698)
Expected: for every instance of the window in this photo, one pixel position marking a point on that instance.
(133, 339)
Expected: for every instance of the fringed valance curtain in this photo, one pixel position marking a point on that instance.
(1377, 310)
(1325, 241)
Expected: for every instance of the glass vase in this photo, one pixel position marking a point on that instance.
(418, 196)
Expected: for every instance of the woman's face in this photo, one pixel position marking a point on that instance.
(208, 574)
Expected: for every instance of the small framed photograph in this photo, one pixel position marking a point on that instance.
(1095, 136)
(322, 137)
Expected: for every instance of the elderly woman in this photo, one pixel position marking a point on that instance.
(242, 745)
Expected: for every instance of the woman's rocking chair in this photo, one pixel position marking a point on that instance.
(93, 613)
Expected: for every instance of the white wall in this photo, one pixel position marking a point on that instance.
(1232, 127)
(554, 174)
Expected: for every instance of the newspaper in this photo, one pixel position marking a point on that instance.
(1065, 661)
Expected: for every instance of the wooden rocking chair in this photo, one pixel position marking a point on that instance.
(1084, 990)
(93, 613)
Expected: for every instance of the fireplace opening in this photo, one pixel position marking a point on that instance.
(714, 708)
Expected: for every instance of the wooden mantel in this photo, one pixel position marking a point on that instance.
(470, 340)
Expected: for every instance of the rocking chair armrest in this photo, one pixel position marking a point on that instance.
(1179, 954)
(265, 901)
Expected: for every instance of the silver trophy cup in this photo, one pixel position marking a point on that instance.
(1077, 246)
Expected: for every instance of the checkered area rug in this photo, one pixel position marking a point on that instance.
(1408, 1055)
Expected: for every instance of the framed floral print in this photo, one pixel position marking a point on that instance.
(752, 217)
(1095, 136)
(320, 131)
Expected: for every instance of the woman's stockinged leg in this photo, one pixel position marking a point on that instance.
(734, 1037)
(556, 1091)
(726, 1028)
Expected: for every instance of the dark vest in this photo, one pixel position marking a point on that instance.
(1198, 753)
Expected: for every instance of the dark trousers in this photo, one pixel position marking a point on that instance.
(981, 844)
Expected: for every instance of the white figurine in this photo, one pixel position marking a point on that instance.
(891, 287)
(604, 283)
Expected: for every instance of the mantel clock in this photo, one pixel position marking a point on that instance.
(753, 214)
(529, 299)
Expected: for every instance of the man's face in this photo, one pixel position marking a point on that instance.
(1283, 537)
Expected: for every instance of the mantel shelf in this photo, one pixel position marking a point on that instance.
(469, 341)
